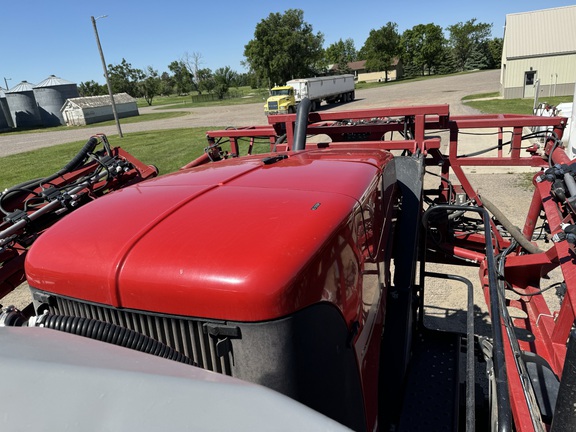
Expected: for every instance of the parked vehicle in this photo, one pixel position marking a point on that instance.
(284, 99)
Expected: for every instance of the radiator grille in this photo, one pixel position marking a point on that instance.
(182, 334)
(273, 105)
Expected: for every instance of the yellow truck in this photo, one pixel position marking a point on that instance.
(332, 89)
(280, 101)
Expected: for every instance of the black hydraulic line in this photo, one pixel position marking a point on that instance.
(76, 160)
(513, 230)
(502, 393)
(52, 205)
(301, 125)
(470, 369)
(111, 333)
(523, 374)
(25, 185)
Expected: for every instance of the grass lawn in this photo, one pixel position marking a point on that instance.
(167, 149)
(508, 106)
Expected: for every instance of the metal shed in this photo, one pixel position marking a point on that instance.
(539, 53)
(87, 110)
(51, 94)
(22, 105)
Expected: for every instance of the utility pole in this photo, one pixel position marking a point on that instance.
(106, 74)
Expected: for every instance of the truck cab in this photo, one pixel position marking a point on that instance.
(281, 101)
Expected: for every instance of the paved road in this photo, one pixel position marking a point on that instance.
(429, 92)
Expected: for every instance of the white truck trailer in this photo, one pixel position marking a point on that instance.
(284, 99)
(329, 88)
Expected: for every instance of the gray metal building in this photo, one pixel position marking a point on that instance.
(51, 94)
(539, 53)
(87, 110)
(22, 105)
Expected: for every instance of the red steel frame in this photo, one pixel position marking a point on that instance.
(523, 271)
(12, 254)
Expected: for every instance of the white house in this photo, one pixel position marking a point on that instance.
(94, 109)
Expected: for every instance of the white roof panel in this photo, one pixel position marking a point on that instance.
(98, 101)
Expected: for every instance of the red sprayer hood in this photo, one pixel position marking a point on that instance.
(227, 240)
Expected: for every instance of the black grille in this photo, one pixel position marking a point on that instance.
(182, 334)
(272, 106)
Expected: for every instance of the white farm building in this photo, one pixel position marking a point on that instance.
(94, 109)
(539, 53)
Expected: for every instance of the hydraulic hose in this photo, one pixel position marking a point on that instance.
(301, 125)
(523, 375)
(513, 230)
(70, 166)
(76, 160)
(111, 333)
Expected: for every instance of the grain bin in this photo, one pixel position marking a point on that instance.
(22, 104)
(50, 96)
(5, 118)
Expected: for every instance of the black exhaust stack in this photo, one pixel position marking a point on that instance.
(301, 125)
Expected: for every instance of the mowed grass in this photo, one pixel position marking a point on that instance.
(167, 149)
(508, 106)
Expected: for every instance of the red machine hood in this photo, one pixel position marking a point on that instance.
(225, 240)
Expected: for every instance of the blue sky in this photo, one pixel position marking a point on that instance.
(41, 38)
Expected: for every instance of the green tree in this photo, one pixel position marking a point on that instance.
(478, 58)
(206, 80)
(151, 85)
(244, 79)
(181, 76)
(223, 77)
(341, 53)
(448, 63)
(381, 48)
(167, 86)
(92, 88)
(495, 47)
(422, 48)
(466, 37)
(284, 47)
(125, 79)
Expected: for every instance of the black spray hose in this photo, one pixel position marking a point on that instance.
(301, 125)
(72, 165)
(514, 232)
(111, 333)
(76, 160)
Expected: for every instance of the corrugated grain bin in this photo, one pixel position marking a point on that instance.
(50, 96)
(4, 112)
(23, 107)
